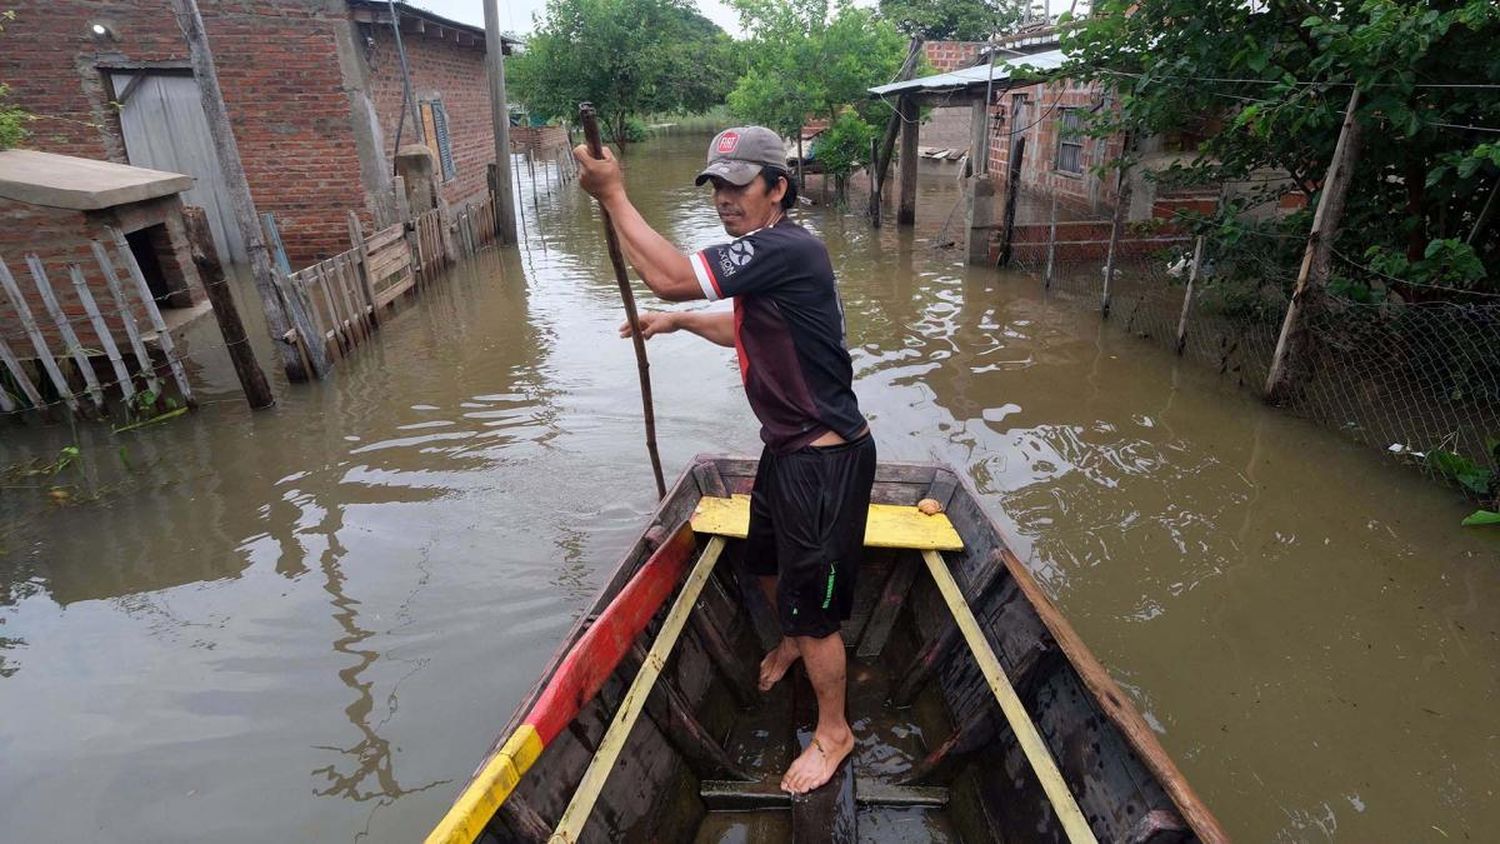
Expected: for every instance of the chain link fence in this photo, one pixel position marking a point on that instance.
(1403, 368)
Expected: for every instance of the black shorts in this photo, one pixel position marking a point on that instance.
(807, 526)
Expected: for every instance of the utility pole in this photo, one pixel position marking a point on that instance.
(494, 55)
(191, 22)
(1293, 345)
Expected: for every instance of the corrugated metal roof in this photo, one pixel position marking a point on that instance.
(972, 76)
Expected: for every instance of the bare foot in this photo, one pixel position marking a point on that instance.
(818, 762)
(776, 663)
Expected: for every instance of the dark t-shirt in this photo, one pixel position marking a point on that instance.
(789, 332)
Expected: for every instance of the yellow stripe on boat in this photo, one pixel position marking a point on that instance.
(484, 794)
(889, 525)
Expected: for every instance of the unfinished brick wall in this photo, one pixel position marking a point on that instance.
(951, 55)
(1083, 192)
(279, 71)
(441, 68)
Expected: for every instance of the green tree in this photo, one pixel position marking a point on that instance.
(953, 20)
(627, 57)
(844, 147)
(812, 57)
(1265, 85)
(13, 120)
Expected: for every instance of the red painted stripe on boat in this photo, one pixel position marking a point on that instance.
(598, 651)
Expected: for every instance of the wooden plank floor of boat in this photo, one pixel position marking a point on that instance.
(887, 740)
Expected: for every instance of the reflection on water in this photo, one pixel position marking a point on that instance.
(308, 624)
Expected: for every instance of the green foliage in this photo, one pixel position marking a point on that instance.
(845, 145)
(1478, 481)
(13, 120)
(952, 20)
(810, 57)
(627, 57)
(1265, 86)
(1448, 262)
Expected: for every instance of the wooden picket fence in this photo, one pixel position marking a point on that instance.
(69, 376)
(344, 295)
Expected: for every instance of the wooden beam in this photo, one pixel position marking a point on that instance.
(882, 163)
(733, 669)
(1288, 362)
(1012, 196)
(1073, 822)
(23, 380)
(65, 330)
(101, 330)
(906, 209)
(38, 342)
(673, 715)
(936, 649)
(126, 315)
(888, 609)
(163, 336)
(570, 827)
(226, 313)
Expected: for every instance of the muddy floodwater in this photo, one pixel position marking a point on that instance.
(308, 624)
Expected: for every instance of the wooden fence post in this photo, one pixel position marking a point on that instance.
(101, 330)
(127, 316)
(1187, 296)
(163, 336)
(366, 284)
(1292, 345)
(226, 312)
(314, 345)
(38, 342)
(23, 380)
(65, 331)
(1012, 196)
(1051, 244)
(1117, 223)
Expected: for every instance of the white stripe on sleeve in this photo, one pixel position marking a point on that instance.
(701, 270)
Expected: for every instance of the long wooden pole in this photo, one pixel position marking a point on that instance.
(1291, 345)
(207, 76)
(226, 312)
(494, 57)
(590, 122)
(1070, 817)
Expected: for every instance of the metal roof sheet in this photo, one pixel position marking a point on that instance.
(971, 76)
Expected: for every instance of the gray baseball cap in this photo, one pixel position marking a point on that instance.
(736, 155)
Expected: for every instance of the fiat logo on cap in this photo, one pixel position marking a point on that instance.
(727, 142)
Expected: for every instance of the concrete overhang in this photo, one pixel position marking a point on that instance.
(81, 184)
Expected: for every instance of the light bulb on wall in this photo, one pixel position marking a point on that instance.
(102, 31)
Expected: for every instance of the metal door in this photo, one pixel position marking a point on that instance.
(165, 129)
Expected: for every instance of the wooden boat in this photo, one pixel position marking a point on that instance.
(979, 714)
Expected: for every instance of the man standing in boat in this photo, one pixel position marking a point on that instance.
(812, 489)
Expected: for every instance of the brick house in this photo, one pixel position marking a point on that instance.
(314, 92)
(1056, 161)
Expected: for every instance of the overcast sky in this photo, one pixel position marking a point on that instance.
(515, 15)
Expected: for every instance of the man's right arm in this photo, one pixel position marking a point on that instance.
(713, 326)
